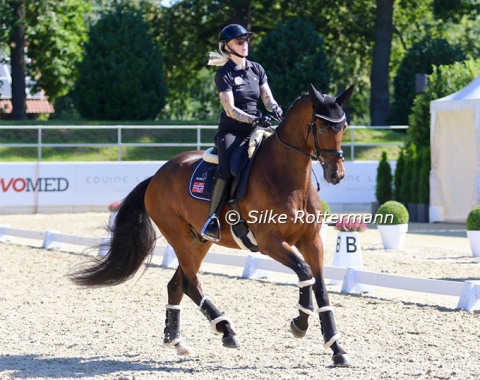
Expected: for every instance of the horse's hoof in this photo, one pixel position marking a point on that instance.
(297, 333)
(341, 360)
(183, 349)
(231, 341)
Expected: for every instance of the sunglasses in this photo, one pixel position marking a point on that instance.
(241, 41)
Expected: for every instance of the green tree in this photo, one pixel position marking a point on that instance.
(454, 10)
(424, 176)
(444, 80)
(399, 170)
(54, 32)
(379, 77)
(121, 75)
(17, 60)
(406, 189)
(383, 191)
(293, 56)
(419, 59)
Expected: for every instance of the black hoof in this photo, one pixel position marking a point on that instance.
(231, 341)
(297, 333)
(341, 360)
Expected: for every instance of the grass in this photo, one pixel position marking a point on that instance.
(134, 153)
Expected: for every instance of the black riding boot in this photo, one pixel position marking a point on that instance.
(211, 229)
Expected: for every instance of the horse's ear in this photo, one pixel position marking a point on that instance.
(315, 96)
(345, 97)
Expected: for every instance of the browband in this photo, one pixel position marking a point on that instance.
(330, 119)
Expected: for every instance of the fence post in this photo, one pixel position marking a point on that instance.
(49, 241)
(199, 138)
(5, 238)
(250, 269)
(350, 284)
(470, 296)
(169, 258)
(352, 145)
(119, 139)
(39, 150)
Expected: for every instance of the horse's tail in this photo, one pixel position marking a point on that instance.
(132, 240)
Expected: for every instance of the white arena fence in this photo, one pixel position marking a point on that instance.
(198, 143)
(257, 265)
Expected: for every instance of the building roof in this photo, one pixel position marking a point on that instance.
(33, 106)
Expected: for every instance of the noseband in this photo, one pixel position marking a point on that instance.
(318, 156)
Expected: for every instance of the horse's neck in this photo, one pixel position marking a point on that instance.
(293, 130)
(295, 166)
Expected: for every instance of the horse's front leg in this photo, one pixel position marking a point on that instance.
(312, 251)
(330, 333)
(284, 254)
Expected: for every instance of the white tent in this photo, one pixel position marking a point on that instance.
(455, 152)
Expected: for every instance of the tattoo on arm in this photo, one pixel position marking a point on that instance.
(226, 98)
(267, 97)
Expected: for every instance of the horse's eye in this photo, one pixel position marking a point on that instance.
(322, 129)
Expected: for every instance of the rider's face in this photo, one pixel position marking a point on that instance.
(239, 45)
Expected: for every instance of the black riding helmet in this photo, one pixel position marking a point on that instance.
(233, 31)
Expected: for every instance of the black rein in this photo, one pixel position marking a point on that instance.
(318, 152)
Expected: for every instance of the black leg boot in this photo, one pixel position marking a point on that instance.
(211, 229)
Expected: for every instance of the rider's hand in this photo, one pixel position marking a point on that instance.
(264, 122)
(277, 111)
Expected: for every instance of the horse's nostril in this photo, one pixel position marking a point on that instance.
(333, 175)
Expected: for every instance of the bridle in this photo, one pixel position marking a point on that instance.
(318, 155)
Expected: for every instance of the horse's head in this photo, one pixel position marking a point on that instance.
(327, 126)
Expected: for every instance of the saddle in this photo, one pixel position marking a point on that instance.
(201, 182)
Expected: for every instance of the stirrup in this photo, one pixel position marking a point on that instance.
(211, 229)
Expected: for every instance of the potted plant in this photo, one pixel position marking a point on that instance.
(473, 230)
(348, 250)
(392, 223)
(326, 217)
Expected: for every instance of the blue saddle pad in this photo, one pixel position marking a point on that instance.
(201, 181)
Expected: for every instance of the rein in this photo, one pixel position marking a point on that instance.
(318, 152)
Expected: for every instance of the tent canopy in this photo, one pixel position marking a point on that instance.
(455, 171)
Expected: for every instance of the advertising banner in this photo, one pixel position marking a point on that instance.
(91, 186)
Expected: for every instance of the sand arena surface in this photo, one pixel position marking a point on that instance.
(52, 329)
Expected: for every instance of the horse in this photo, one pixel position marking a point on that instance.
(280, 183)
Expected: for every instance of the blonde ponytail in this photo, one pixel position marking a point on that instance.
(218, 58)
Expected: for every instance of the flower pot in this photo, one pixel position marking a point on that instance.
(412, 211)
(474, 237)
(393, 235)
(422, 212)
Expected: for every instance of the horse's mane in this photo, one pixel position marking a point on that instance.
(302, 95)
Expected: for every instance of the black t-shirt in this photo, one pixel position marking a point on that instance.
(245, 85)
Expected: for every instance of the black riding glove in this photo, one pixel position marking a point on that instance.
(264, 122)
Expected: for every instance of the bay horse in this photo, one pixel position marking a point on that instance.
(280, 182)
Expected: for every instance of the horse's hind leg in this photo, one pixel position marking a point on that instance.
(190, 253)
(172, 335)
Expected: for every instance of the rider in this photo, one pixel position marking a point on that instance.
(240, 83)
